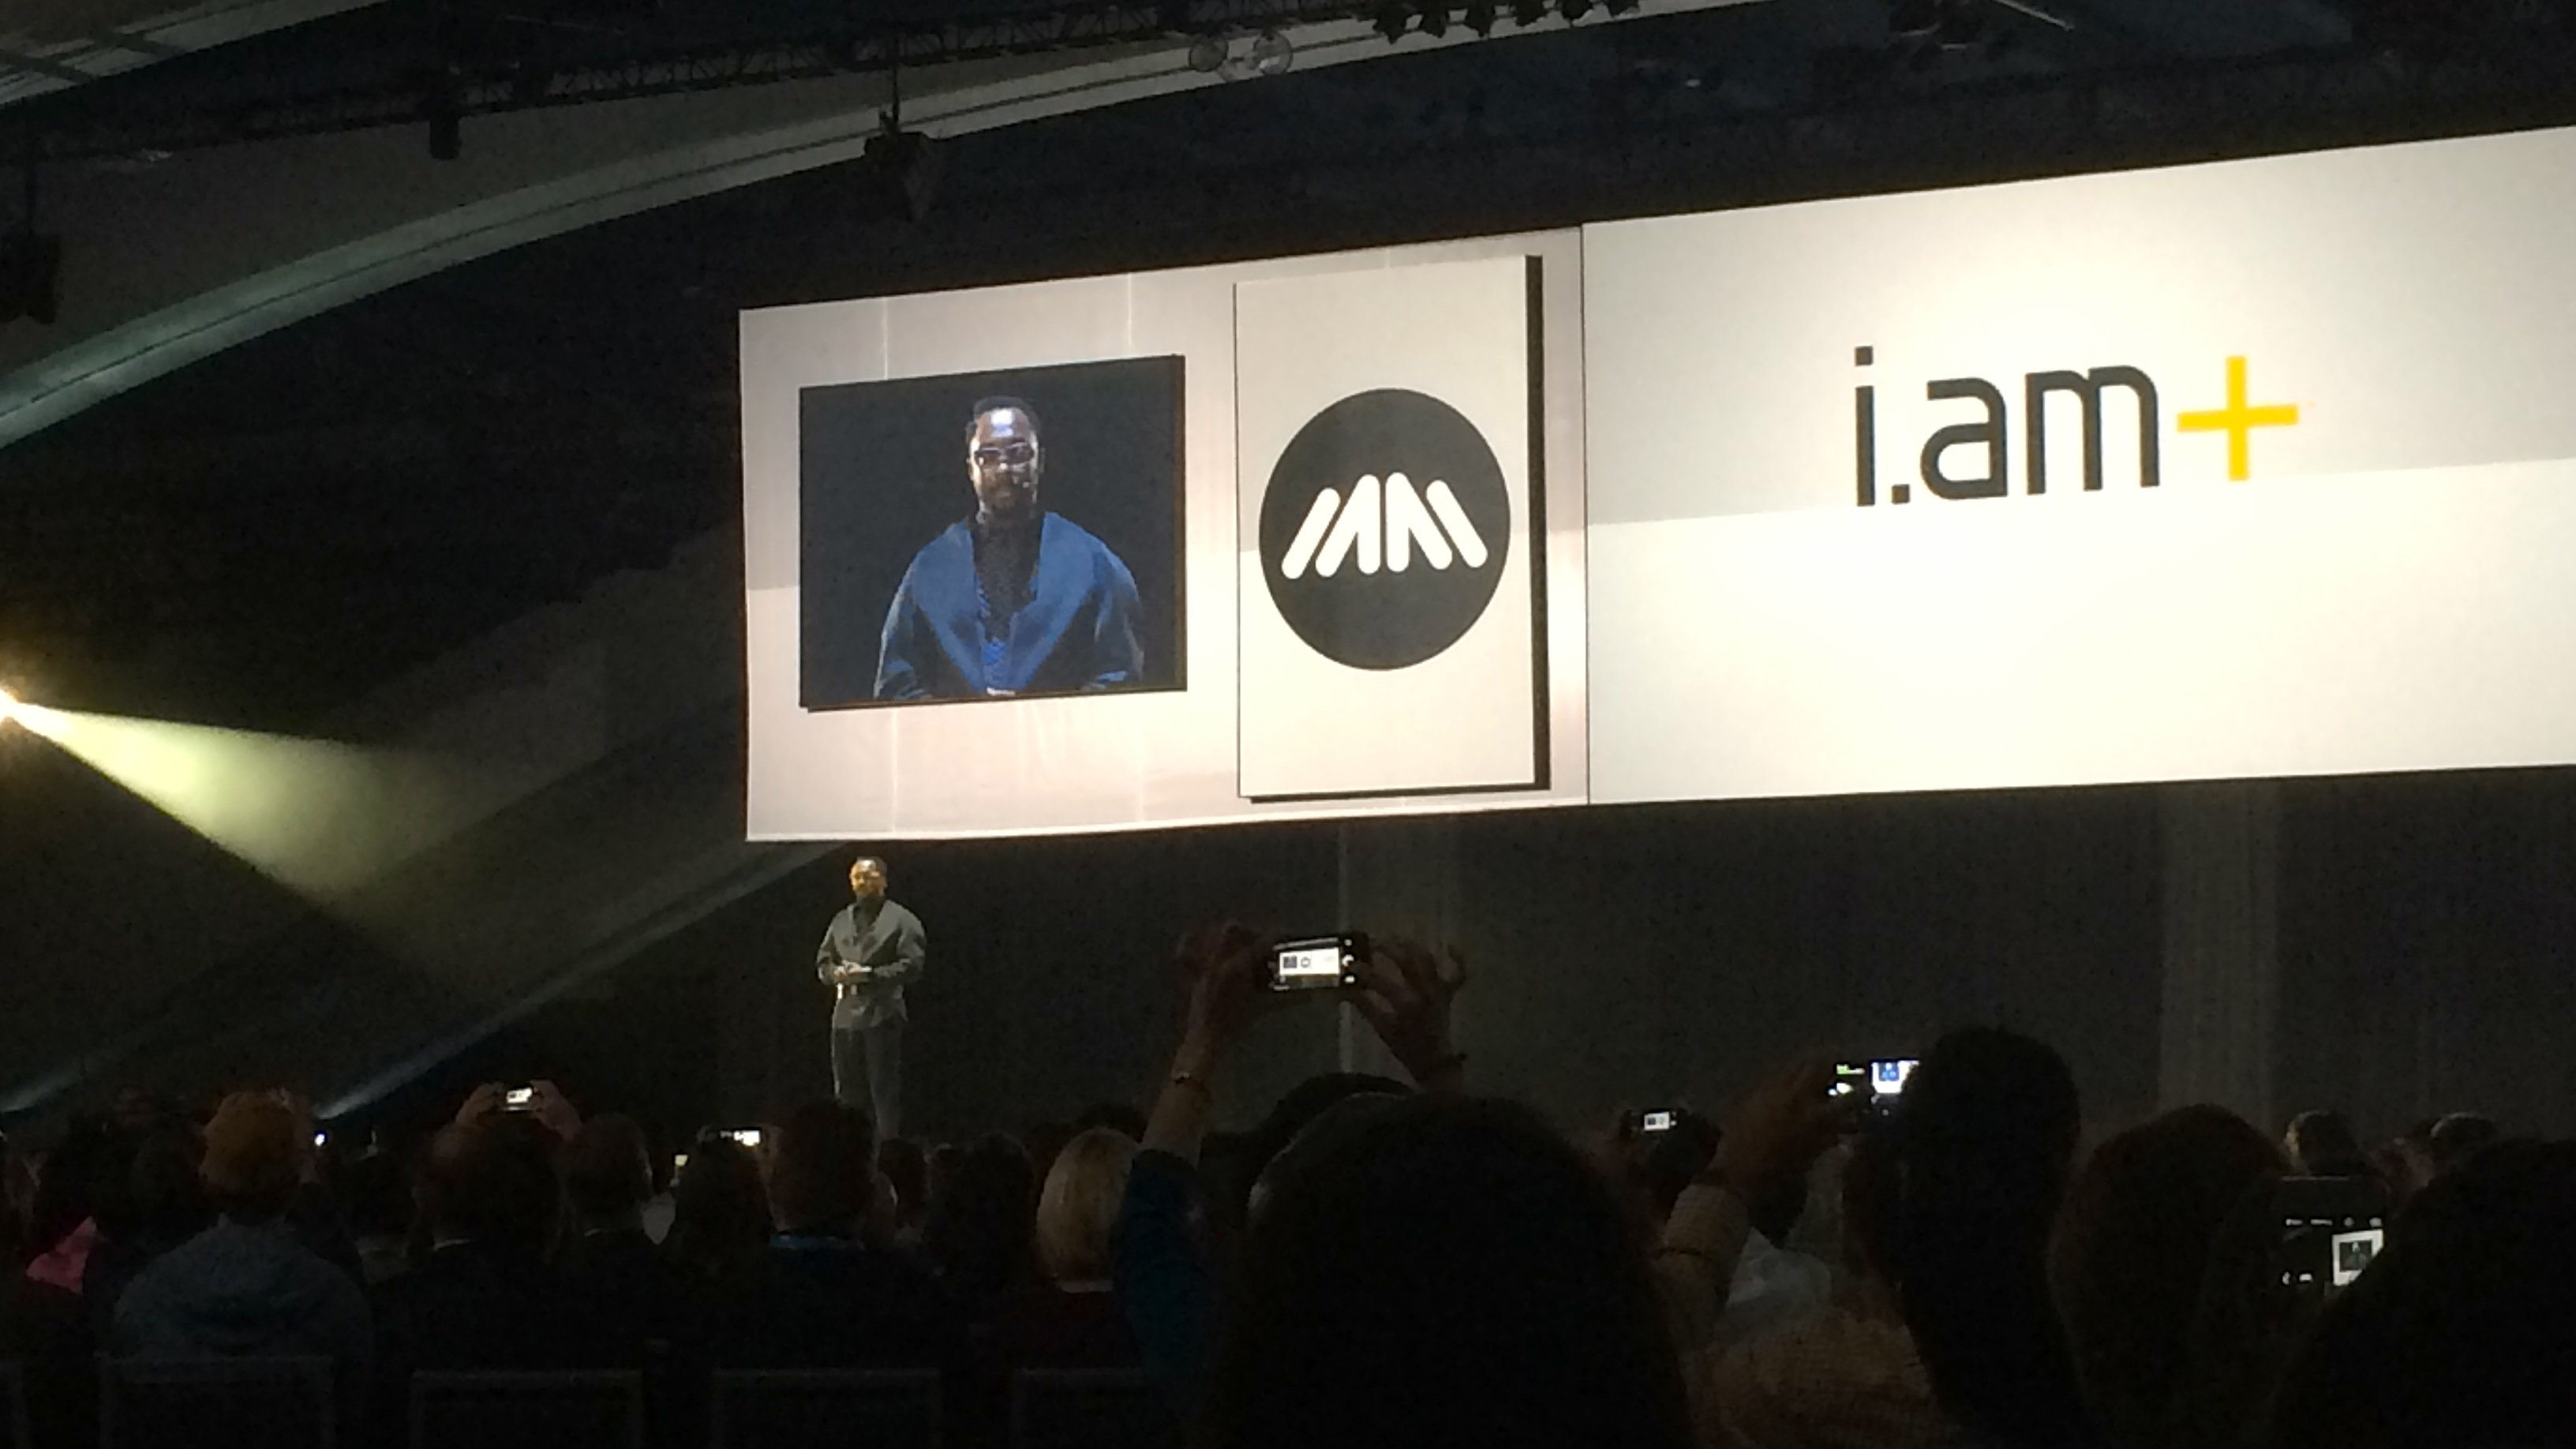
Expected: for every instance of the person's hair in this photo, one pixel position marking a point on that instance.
(2322, 1144)
(720, 1218)
(823, 1174)
(978, 1232)
(2132, 1251)
(998, 404)
(1982, 1147)
(493, 1183)
(2457, 1138)
(876, 860)
(2463, 1330)
(906, 1172)
(1079, 1204)
(255, 1155)
(1443, 1271)
(1123, 1118)
(607, 1169)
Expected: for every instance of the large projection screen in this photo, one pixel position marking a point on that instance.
(886, 701)
(2355, 558)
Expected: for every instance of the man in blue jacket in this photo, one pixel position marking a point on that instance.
(1014, 599)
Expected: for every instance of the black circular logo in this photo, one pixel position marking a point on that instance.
(1384, 529)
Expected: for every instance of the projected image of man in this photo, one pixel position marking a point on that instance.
(1013, 599)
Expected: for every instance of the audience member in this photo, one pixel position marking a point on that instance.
(1846, 1376)
(824, 1296)
(60, 1229)
(483, 1297)
(609, 1269)
(2134, 1249)
(244, 1287)
(2462, 1334)
(1159, 1255)
(148, 1199)
(2321, 1144)
(720, 1220)
(1072, 1319)
(1439, 1270)
(977, 1237)
(1983, 1146)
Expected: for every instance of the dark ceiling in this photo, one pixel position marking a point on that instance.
(268, 533)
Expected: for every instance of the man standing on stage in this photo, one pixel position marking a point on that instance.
(874, 947)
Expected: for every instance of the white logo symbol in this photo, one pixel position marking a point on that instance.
(1394, 527)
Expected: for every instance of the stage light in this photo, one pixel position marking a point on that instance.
(1435, 19)
(1618, 7)
(1479, 17)
(1207, 54)
(319, 817)
(1389, 20)
(1526, 13)
(1573, 10)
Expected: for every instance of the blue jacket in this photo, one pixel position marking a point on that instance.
(1078, 630)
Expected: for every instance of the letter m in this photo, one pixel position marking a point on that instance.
(2089, 388)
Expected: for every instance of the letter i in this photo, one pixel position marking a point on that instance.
(1865, 432)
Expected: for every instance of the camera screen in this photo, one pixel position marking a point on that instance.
(520, 1099)
(747, 1136)
(2353, 1252)
(1656, 1122)
(1309, 965)
(1888, 1078)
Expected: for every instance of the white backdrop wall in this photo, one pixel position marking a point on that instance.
(1798, 539)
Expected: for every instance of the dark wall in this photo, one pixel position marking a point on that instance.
(2428, 940)
(1639, 956)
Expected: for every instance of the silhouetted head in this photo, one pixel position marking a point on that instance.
(979, 1230)
(822, 1175)
(1980, 1154)
(1443, 1272)
(719, 1208)
(608, 1173)
(493, 1183)
(2321, 1144)
(2133, 1249)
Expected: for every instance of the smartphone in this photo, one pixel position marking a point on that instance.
(747, 1136)
(1658, 1121)
(1317, 963)
(679, 1163)
(1879, 1082)
(2332, 1229)
(519, 1099)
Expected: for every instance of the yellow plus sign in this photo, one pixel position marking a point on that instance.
(2237, 421)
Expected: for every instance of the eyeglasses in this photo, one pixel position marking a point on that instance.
(1017, 455)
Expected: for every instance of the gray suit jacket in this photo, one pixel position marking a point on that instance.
(890, 944)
